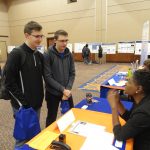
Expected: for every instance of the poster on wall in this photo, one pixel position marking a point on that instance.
(95, 47)
(148, 47)
(145, 43)
(138, 47)
(78, 47)
(126, 47)
(10, 48)
(69, 45)
(109, 48)
(90, 47)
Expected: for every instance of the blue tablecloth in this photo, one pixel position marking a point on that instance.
(102, 105)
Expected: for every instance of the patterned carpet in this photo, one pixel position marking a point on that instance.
(93, 85)
(83, 74)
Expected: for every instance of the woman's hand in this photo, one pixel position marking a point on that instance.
(113, 98)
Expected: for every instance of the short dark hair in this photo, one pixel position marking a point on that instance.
(142, 77)
(32, 25)
(147, 63)
(60, 32)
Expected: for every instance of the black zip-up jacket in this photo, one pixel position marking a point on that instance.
(32, 72)
(137, 125)
(59, 72)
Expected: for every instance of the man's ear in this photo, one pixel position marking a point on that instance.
(26, 35)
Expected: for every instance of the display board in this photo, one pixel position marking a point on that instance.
(109, 48)
(78, 47)
(94, 47)
(70, 46)
(126, 47)
(10, 48)
(138, 47)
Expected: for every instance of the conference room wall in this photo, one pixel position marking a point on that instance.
(78, 19)
(125, 19)
(4, 27)
(86, 20)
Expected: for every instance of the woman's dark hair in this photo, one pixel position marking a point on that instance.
(147, 64)
(142, 77)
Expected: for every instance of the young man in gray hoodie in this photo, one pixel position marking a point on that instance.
(59, 73)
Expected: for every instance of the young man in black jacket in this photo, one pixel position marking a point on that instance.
(24, 71)
(59, 73)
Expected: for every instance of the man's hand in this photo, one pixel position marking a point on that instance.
(64, 98)
(67, 93)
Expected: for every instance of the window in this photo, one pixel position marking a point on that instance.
(71, 1)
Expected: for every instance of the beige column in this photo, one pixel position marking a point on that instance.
(101, 20)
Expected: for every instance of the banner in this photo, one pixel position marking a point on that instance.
(145, 38)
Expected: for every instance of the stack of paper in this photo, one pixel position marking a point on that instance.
(112, 82)
(121, 83)
(102, 141)
(96, 136)
(86, 129)
(122, 73)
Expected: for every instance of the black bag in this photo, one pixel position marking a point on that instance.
(4, 93)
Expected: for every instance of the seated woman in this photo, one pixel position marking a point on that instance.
(138, 118)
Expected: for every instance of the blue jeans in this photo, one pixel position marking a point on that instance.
(18, 142)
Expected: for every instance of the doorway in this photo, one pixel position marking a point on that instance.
(3, 51)
(50, 42)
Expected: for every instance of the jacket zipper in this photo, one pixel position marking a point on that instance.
(34, 60)
(63, 70)
(22, 86)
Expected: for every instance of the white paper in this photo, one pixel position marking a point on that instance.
(122, 73)
(99, 141)
(86, 129)
(111, 81)
(84, 107)
(121, 83)
(65, 120)
(118, 144)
